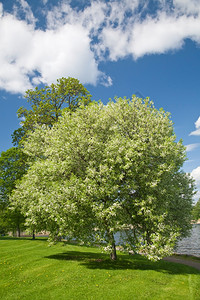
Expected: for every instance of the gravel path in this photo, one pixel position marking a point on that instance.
(192, 263)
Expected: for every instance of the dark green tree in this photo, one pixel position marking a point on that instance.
(13, 165)
(47, 104)
(196, 211)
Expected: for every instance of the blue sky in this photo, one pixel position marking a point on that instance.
(115, 48)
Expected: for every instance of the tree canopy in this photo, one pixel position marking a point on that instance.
(13, 165)
(47, 104)
(196, 211)
(105, 170)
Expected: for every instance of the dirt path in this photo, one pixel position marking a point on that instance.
(192, 263)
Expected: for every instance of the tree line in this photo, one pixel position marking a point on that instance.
(85, 170)
(46, 105)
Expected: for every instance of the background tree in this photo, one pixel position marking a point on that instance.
(106, 170)
(13, 165)
(46, 107)
(3, 221)
(47, 104)
(196, 211)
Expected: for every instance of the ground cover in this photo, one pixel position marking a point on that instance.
(187, 257)
(30, 269)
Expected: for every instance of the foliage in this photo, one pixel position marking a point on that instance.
(46, 107)
(11, 221)
(13, 165)
(109, 169)
(196, 211)
(32, 270)
(47, 104)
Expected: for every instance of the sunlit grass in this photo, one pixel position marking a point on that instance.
(33, 270)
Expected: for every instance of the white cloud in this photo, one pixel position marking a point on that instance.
(59, 15)
(64, 52)
(196, 175)
(116, 41)
(29, 56)
(191, 147)
(22, 7)
(197, 125)
(73, 42)
(197, 196)
(161, 34)
(187, 6)
(196, 132)
(1, 9)
(15, 43)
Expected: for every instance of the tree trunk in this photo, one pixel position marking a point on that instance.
(18, 231)
(33, 234)
(113, 254)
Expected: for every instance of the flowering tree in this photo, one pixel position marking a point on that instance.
(109, 169)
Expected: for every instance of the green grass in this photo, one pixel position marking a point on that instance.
(187, 257)
(33, 270)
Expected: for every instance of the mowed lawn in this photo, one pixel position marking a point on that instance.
(33, 270)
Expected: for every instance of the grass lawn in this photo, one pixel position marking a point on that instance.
(33, 270)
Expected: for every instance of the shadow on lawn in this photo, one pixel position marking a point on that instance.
(126, 262)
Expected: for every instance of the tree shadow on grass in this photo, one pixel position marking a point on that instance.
(124, 262)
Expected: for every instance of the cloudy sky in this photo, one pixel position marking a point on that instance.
(115, 48)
